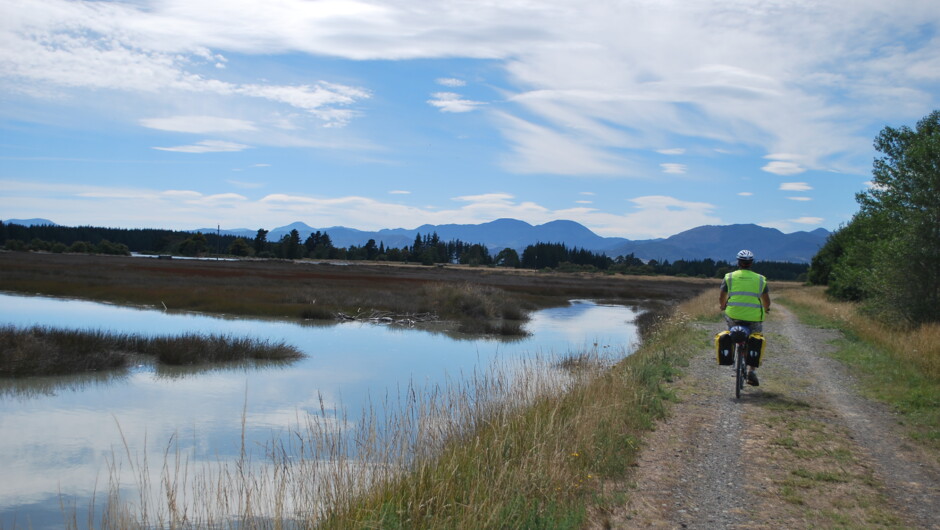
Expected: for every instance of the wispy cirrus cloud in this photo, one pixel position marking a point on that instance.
(808, 220)
(451, 82)
(198, 124)
(672, 151)
(783, 168)
(675, 169)
(795, 186)
(452, 102)
(207, 146)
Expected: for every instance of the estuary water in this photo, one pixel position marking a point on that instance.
(59, 435)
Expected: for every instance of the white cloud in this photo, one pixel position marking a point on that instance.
(799, 198)
(672, 151)
(584, 202)
(451, 82)
(808, 220)
(451, 102)
(678, 169)
(783, 168)
(399, 192)
(502, 198)
(745, 194)
(198, 124)
(795, 186)
(207, 146)
(321, 100)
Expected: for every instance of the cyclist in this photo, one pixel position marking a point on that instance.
(745, 299)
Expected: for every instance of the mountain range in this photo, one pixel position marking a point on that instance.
(715, 242)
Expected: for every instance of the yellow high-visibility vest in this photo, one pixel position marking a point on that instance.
(744, 290)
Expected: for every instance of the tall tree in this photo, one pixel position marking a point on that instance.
(261, 241)
(889, 254)
(905, 194)
(508, 257)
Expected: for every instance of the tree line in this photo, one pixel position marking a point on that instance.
(427, 249)
(888, 256)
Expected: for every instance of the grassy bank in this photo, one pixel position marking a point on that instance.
(502, 450)
(895, 365)
(541, 466)
(48, 351)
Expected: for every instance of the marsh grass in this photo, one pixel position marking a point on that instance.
(494, 298)
(40, 350)
(524, 444)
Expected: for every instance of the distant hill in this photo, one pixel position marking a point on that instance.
(724, 242)
(715, 242)
(29, 222)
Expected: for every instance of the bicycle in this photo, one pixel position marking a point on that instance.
(739, 335)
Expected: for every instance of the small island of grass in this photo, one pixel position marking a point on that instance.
(37, 351)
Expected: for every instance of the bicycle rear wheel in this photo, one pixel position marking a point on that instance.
(739, 370)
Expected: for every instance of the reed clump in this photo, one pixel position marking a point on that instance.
(476, 308)
(43, 350)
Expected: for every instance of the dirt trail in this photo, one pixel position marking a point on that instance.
(803, 450)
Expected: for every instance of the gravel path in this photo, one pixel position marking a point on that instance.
(803, 450)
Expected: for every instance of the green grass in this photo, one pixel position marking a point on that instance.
(915, 397)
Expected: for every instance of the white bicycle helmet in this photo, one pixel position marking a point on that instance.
(746, 255)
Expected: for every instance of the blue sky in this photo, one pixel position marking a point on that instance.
(636, 118)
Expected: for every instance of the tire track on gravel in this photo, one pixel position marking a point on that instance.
(912, 480)
(690, 473)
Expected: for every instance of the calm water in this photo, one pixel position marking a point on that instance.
(58, 434)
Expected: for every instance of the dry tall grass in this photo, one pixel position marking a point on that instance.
(919, 347)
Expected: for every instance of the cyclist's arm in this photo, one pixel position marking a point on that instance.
(723, 300)
(765, 300)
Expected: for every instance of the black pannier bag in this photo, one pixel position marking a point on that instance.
(724, 348)
(755, 349)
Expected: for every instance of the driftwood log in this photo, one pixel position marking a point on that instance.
(387, 317)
